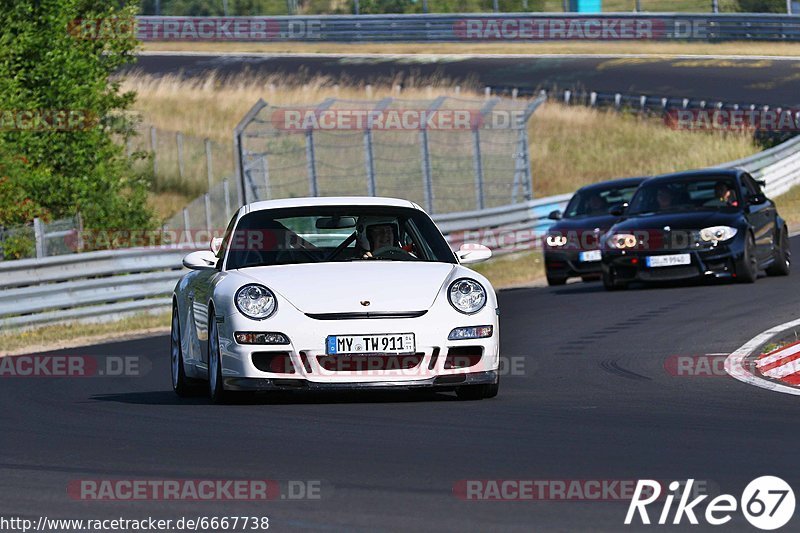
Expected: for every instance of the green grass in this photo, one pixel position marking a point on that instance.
(789, 207)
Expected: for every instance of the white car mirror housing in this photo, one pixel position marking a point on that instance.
(202, 260)
(470, 253)
(216, 244)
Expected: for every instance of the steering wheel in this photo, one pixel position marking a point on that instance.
(390, 252)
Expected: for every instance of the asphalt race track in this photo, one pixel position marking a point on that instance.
(756, 80)
(595, 402)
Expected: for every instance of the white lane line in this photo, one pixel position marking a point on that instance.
(777, 356)
(792, 367)
(734, 364)
(440, 57)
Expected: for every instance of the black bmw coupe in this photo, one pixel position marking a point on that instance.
(699, 224)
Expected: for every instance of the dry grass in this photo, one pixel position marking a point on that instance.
(789, 208)
(570, 47)
(513, 269)
(80, 334)
(570, 146)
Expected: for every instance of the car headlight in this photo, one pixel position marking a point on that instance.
(621, 241)
(717, 233)
(556, 241)
(256, 302)
(467, 295)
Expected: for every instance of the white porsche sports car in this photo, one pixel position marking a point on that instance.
(334, 293)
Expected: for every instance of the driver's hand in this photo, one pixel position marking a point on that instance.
(368, 255)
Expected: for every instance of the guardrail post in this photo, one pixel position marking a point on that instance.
(311, 163)
(356, 7)
(226, 191)
(179, 144)
(154, 149)
(496, 5)
(715, 6)
(186, 219)
(38, 232)
(209, 167)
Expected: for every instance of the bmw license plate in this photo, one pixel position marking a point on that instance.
(394, 343)
(590, 256)
(668, 260)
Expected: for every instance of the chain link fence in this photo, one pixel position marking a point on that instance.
(41, 239)
(446, 154)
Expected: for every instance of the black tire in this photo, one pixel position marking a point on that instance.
(554, 281)
(747, 269)
(216, 386)
(782, 256)
(180, 383)
(610, 283)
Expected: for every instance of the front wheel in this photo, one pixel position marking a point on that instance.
(180, 384)
(781, 255)
(747, 271)
(216, 387)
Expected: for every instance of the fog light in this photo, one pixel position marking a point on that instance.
(254, 337)
(472, 332)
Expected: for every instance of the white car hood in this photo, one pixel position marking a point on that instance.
(388, 286)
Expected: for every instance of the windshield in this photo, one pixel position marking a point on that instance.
(335, 234)
(594, 201)
(685, 195)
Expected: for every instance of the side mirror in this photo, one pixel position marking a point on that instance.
(202, 260)
(216, 244)
(555, 215)
(470, 253)
(756, 199)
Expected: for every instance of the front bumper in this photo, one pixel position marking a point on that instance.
(437, 361)
(567, 264)
(436, 383)
(720, 261)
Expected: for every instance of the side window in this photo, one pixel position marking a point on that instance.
(750, 185)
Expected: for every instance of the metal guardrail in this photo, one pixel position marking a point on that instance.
(93, 285)
(474, 27)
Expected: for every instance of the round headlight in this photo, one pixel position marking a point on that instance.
(256, 302)
(621, 241)
(467, 296)
(717, 233)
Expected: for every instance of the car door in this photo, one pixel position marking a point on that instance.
(761, 215)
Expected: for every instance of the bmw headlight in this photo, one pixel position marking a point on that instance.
(255, 301)
(556, 241)
(467, 295)
(717, 233)
(621, 241)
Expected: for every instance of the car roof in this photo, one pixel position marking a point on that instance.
(696, 174)
(624, 182)
(329, 201)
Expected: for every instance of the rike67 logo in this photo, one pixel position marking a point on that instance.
(767, 503)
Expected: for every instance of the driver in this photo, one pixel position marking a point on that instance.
(378, 235)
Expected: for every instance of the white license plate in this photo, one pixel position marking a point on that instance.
(399, 343)
(590, 256)
(668, 260)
